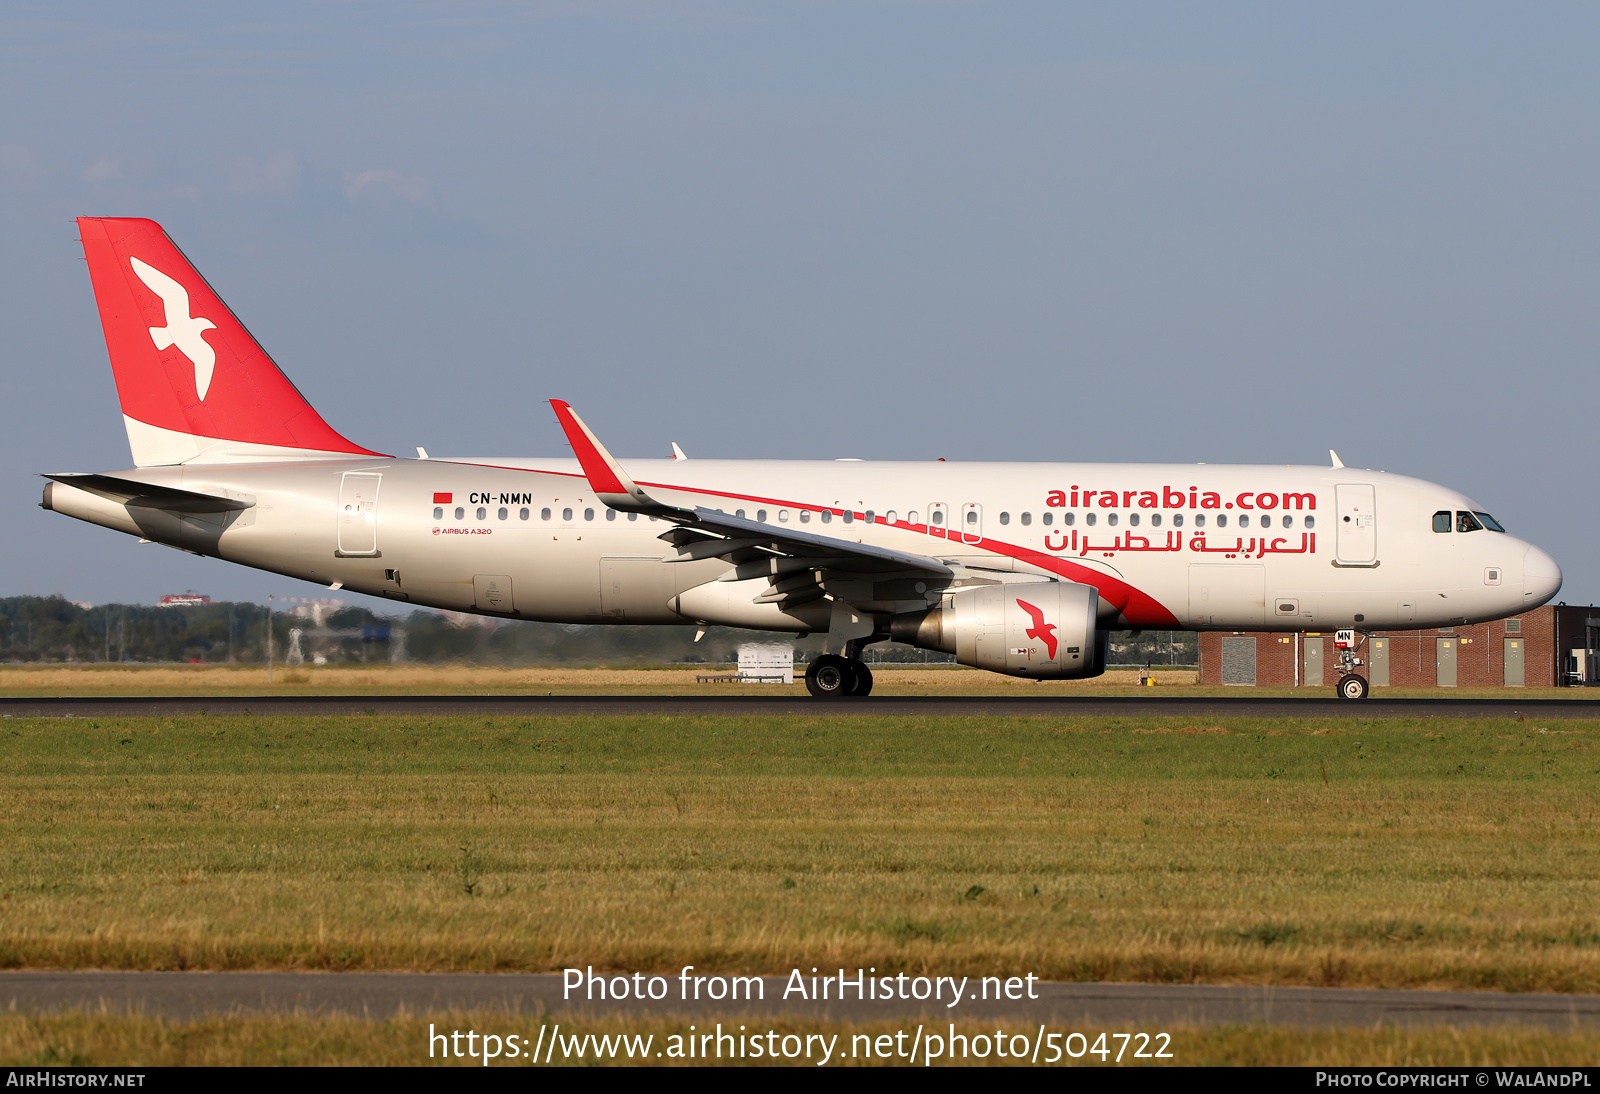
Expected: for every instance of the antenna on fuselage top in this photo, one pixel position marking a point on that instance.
(1334, 456)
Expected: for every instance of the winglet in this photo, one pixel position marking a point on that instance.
(1334, 456)
(605, 475)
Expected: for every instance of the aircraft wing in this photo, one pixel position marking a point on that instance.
(797, 563)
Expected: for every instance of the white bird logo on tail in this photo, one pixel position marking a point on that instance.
(182, 330)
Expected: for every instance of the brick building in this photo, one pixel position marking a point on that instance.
(1554, 646)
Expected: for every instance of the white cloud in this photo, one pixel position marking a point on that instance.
(276, 175)
(104, 169)
(19, 166)
(413, 189)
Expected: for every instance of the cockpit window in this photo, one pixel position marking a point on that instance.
(1466, 522)
(1441, 520)
(1489, 522)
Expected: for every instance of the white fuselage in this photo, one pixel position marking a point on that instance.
(1176, 546)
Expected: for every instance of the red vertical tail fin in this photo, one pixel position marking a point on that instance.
(195, 386)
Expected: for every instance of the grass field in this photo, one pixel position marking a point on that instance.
(32, 681)
(108, 1040)
(1386, 852)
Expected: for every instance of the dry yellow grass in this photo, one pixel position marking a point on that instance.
(111, 679)
(92, 680)
(108, 1040)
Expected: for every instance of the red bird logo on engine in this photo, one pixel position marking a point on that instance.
(1044, 632)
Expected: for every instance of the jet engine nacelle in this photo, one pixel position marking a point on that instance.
(1045, 630)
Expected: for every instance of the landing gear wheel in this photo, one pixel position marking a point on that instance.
(1352, 686)
(830, 677)
(863, 679)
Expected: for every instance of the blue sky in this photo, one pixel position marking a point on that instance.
(1222, 232)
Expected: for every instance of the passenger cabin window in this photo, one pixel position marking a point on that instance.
(461, 514)
(1244, 520)
(635, 516)
(522, 514)
(869, 517)
(827, 516)
(783, 516)
(1199, 520)
(1441, 521)
(1027, 519)
(1089, 519)
(1466, 522)
(889, 517)
(1177, 520)
(566, 514)
(611, 514)
(482, 513)
(848, 516)
(438, 512)
(805, 516)
(1155, 520)
(504, 513)
(761, 515)
(1111, 519)
(1489, 522)
(588, 514)
(544, 514)
(1311, 522)
(1222, 520)
(1133, 520)
(911, 517)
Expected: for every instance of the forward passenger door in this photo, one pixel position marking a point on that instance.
(1356, 524)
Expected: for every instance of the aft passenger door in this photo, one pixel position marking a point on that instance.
(358, 515)
(1356, 524)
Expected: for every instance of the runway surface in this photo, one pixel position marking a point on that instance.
(790, 705)
(183, 995)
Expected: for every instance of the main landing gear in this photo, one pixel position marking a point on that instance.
(831, 676)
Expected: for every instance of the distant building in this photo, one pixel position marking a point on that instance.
(184, 600)
(1557, 645)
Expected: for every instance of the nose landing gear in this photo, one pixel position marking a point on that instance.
(1352, 685)
(831, 677)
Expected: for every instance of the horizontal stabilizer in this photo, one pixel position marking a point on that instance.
(148, 496)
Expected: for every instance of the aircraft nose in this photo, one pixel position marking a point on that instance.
(1541, 578)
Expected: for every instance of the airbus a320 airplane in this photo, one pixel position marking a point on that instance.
(1016, 568)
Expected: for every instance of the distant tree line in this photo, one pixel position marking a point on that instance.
(54, 629)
